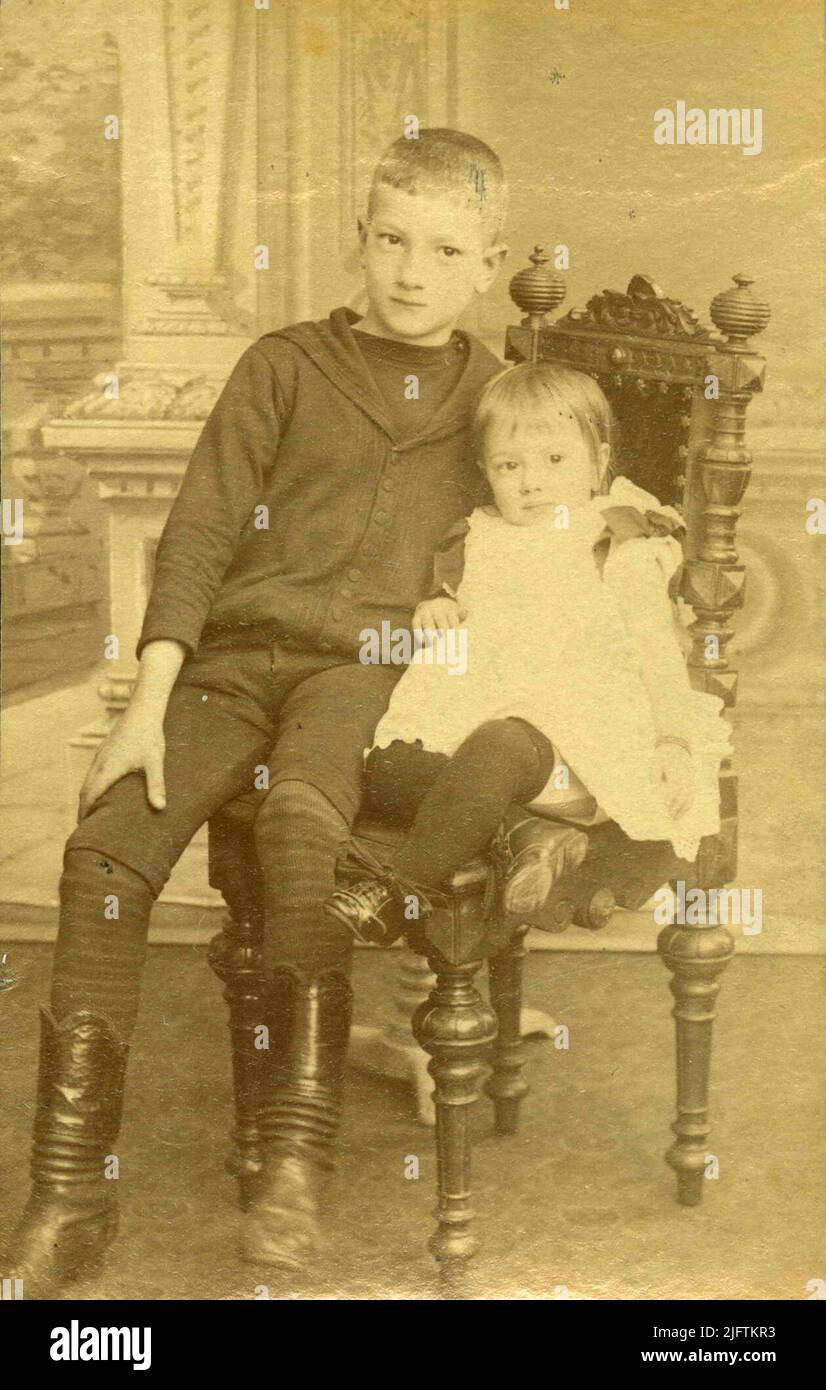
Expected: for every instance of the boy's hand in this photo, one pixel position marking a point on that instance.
(136, 744)
(674, 775)
(439, 614)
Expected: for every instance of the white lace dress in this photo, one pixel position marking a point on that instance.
(577, 653)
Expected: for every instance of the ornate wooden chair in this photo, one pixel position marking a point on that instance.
(680, 393)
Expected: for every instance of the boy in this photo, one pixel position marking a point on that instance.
(332, 464)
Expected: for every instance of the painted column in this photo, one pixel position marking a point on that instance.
(187, 127)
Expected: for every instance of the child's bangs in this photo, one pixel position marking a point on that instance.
(533, 395)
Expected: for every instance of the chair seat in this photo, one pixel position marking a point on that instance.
(625, 870)
(616, 870)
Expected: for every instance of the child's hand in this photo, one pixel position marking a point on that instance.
(438, 614)
(136, 744)
(674, 775)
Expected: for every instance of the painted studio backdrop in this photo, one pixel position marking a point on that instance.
(183, 175)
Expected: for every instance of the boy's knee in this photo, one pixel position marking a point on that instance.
(295, 804)
(95, 864)
(287, 797)
(92, 868)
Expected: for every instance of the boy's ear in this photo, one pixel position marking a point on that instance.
(362, 223)
(492, 259)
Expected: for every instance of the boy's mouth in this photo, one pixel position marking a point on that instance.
(407, 303)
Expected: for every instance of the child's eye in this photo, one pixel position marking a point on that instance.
(508, 465)
(390, 237)
(555, 458)
(451, 250)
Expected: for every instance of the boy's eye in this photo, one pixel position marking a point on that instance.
(451, 251)
(508, 465)
(390, 237)
(555, 458)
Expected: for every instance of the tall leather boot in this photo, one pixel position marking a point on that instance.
(309, 1029)
(71, 1215)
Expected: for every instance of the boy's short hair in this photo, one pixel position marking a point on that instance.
(532, 391)
(441, 160)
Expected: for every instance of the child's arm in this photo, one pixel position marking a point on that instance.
(441, 609)
(136, 743)
(438, 614)
(639, 571)
(224, 482)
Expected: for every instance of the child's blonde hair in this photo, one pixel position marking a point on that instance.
(534, 391)
(441, 160)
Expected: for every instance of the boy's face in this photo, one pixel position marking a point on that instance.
(424, 257)
(533, 469)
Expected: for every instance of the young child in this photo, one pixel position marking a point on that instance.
(573, 659)
(311, 507)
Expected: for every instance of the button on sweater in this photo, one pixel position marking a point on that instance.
(304, 512)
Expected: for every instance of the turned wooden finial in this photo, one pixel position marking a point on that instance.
(536, 291)
(713, 576)
(738, 313)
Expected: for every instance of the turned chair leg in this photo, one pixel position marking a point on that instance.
(506, 1085)
(696, 956)
(456, 1027)
(234, 955)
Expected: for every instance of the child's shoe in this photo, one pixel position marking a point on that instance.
(533, 854)
(374, 910)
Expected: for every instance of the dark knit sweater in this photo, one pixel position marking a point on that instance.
(414, 381)
(303, 512)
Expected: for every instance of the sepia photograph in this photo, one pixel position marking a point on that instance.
(412, 777)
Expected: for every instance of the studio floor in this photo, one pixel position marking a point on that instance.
(579, 1204)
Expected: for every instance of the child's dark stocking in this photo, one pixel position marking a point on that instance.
(463, 801)
(503, 761)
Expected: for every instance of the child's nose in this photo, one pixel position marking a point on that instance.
(411, 271)
(532, 478)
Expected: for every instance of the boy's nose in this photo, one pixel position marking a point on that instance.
(411, 274)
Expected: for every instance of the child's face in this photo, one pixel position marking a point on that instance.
(534, 468)
(424, 257)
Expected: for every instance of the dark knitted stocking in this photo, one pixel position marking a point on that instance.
(101, 944)
(501, 762)
(298, 834)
